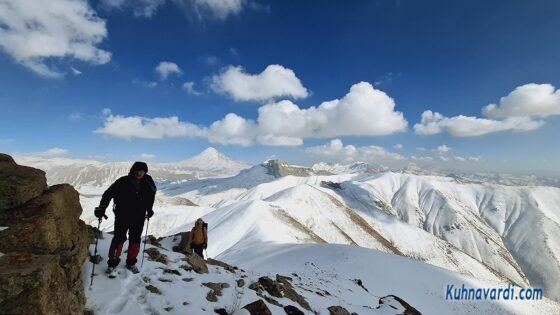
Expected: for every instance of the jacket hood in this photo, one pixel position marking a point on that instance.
(138, 166)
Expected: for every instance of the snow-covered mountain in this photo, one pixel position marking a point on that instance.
(92, 177)
(489, 232)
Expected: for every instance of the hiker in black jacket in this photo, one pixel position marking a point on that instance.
(133, 197)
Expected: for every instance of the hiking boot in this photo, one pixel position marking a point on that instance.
(111, 272)
(132, 268)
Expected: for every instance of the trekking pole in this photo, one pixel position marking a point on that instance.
(95, 251)
(145, 241)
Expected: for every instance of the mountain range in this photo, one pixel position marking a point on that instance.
(485, 231)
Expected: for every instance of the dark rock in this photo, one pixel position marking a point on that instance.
(292, 310)
(153, 289)
(290, 292)
(272, 287)
(188, 279)
(184, 247)
(197, 263)
(338, 310)
(172, 271)
(359, 282)
(391, 299)
(19, 184)
(240, 283)
(155, 255)
(222, 264)
(255, 286)
(270, 300)
(168, 309)
(152, 240)
(215, 290)
(164, 280)
(331, 184)
(221, 311)
(258, 308)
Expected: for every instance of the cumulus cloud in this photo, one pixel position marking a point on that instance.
(275, 81)
(33, 32)
(127, 128)
(188, 87)
(233, 129)
(468, 126)
(336, 152)
(166, 68)
(518, 111)
(442, 149)
(529, 100)
(364, 111)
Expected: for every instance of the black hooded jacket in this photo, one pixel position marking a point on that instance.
(133, 198)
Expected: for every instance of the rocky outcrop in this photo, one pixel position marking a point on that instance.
(278, 168)
(45, 243)
(258, 308)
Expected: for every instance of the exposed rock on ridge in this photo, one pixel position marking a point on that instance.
(44, 245)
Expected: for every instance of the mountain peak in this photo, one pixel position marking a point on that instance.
(210, 154)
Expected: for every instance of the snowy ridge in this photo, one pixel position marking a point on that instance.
(92, 177)
(493, 233)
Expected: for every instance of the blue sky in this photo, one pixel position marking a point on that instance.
(83, 77)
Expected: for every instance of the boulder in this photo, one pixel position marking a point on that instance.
(19, 184)
(197, 263)
(338, 310)
(258, 308)
(46, 243)
(184, 246)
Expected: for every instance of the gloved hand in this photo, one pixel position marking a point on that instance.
(99, 212)
(204, 245)
(150, 213)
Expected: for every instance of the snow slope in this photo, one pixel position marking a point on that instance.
(324, 275)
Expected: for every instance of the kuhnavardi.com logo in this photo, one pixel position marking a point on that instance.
(509, 293)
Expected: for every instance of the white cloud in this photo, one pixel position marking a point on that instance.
(516, 112)
(275, 81)
(233, 129)
(442, 149)
(220, 9)
(166, 68)
(188, 87)
(398, 146)
(122, 127)
(464, 126)
(33, 32)
(217, 9)
(140, 8)
(273, 140)
(148, 156)
(364, 111)
(529, 100)
(335, 150)
(54, 152)
(75, 71)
